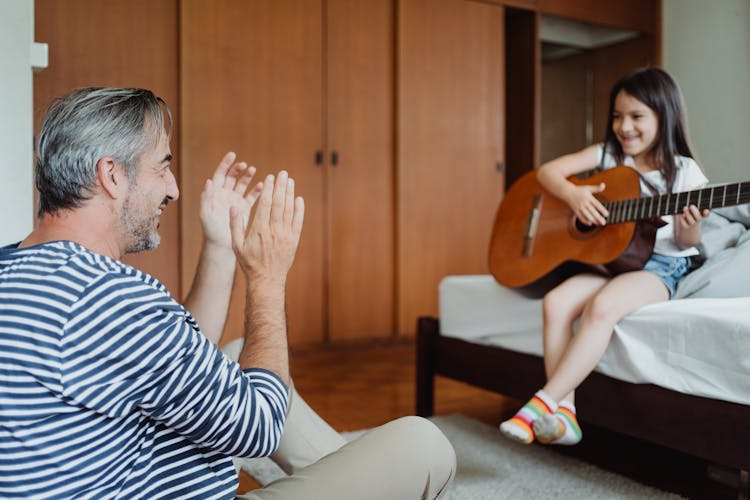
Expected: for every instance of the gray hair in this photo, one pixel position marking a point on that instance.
(87, 125)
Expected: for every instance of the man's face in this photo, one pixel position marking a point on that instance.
(151, 189)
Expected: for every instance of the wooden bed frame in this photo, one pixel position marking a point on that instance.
(643, 411)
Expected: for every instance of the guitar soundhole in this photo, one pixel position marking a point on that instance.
(579, 230)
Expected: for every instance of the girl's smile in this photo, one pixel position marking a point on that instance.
(636, 127)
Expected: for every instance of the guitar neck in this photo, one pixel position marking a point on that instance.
(724, 195)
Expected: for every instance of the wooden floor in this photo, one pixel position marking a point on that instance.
(360, 386)
(363, 385)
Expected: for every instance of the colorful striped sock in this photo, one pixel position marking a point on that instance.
(519, 427)
(559, 428)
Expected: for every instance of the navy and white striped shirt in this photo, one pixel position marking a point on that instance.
(109, 390)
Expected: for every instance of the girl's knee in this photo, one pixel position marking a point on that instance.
(556, 306)
(599, 311)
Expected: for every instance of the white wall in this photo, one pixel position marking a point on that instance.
(706, 48)
(16, 119)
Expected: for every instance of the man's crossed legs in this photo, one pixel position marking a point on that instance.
(407, 458)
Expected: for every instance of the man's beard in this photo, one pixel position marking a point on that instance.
(141, 234)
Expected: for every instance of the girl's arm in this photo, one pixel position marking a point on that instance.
(553, 176)
(687, 227)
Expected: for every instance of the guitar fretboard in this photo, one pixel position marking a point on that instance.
(633, 209)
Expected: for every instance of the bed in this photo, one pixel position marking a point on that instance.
(670, 368)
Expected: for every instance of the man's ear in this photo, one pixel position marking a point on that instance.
(112, 177)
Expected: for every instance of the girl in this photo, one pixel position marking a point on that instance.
(645, 131)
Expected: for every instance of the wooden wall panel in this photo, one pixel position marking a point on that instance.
(251, 73)
(520, 4)
(570, 102)
(523, 91)
(450, 126)
(123, 43)
(360, 129)
(638, 15)
(566, 105)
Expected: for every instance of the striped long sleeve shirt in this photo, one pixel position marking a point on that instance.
(108, 389)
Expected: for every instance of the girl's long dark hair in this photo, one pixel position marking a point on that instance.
(657, 90)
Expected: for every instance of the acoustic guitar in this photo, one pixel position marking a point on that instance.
(535, 232)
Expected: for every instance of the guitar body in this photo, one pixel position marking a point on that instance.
(525, 247)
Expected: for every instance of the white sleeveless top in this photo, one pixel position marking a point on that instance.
(689, 176)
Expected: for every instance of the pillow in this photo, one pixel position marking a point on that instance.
(718, 233)
(727, 274)
(739, 213)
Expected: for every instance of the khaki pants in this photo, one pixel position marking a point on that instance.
(408, 458)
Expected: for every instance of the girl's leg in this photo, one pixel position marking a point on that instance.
(619, 297)
(561, 307)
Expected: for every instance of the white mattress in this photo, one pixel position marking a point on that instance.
(695, 346)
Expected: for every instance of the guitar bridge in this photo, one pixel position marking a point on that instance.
(532, 225)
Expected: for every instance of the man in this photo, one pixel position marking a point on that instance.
(111, 389)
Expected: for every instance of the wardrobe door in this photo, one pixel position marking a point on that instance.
(251, 82)
(132, 51)
(360, 201)
(450, 144)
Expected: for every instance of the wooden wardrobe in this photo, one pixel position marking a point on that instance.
(402, 122)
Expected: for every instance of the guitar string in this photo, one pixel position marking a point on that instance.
(627, 210)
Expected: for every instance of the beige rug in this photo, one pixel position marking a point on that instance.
(492, 467)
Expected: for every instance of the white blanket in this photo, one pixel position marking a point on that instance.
(698, 346)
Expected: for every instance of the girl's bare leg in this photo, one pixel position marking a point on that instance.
(570, 358)
(561, 307)
(619, 297)
(602, 310)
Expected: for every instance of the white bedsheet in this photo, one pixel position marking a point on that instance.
(697, 346)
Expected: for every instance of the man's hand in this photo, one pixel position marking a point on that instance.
(265, 255)
(227, 188)
(267, 252)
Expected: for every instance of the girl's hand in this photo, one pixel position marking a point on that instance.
(691, 216)
(587, 208)
(227, 188)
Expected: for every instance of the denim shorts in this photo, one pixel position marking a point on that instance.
(668, 269)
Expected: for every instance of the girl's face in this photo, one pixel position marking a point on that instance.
(635, 125)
